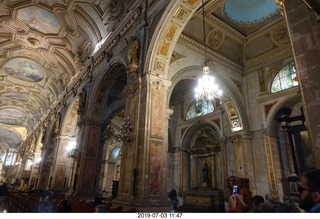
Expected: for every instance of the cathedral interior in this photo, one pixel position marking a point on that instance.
(97, 98)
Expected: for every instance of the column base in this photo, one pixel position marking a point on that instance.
(69, 193)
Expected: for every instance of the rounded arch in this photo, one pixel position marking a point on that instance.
(230, 91)
(107, 91)
(277, 67)
(201, 147)
(191, 131)
(114, 155)
(70, 119)
(163, 42)
(164, 39)
(288, 102)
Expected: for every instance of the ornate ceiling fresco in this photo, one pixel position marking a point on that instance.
(43, 45)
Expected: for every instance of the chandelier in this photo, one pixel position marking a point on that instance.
(126, 130)
(207, 89)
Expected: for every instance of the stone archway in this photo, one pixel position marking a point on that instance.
(103, 99)
(67, 151)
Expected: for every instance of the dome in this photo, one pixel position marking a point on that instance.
(250, 11)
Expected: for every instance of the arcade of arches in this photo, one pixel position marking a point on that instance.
(97, 98)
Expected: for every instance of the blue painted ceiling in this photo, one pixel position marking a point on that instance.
(250, 11)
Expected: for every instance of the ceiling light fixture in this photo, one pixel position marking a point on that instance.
(206, 89)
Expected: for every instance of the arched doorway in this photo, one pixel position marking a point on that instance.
(294, 147)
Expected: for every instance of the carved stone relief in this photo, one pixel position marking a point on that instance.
(215, 38)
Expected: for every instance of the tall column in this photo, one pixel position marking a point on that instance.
(54, 144)
(38, 157)
(60, 172)
(87, 168)
(70, 173)
(87, 163)
(146, 154)
(33, 153)
(304, 33)
(130, 173)
(213, 171)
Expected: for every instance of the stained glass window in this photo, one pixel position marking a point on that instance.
(199, 108)
(285, 79)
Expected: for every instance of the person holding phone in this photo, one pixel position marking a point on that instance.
(236, 202)
(235, 190)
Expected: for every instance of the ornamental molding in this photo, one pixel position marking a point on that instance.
(159, 83)
(212, 52)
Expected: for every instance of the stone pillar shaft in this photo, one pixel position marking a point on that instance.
(146, 153)
(289, 152)
(304, 33)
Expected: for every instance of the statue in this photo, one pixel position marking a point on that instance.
(205, 171)
(133, 52)
(133, 55)
(82, 99)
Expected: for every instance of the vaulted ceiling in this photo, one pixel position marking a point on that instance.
(44, 44)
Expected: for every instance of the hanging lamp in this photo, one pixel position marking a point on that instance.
(207, 90)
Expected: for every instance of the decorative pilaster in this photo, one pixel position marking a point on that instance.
(271, 169)
(146, 154)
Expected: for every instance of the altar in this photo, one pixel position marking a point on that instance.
(203, 201)
(203, 179)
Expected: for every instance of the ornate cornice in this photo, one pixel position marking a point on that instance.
(227, 28)
(210, 51)
(267, 59)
